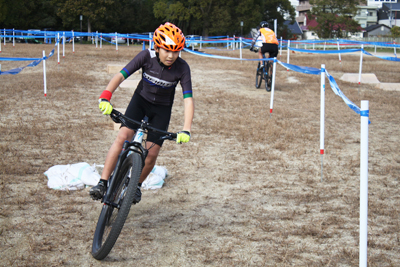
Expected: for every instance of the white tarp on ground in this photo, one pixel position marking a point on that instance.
(77, 176)
(156, 178)
(72, 176)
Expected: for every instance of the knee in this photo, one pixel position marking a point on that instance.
(151, 159)
(124, 135)
(152, 156)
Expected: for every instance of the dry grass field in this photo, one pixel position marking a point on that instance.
(245, 191)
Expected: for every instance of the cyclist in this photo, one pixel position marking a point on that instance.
(269, 42)
(162, 69)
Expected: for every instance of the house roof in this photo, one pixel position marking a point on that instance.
(374, 27)
(383, 13)
(393, 6)
(311, 23)
(294, 27)
(314, 23)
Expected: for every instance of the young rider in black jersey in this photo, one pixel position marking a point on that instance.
(162, 69)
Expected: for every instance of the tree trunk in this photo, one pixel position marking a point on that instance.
(89, 29)
(205, 32)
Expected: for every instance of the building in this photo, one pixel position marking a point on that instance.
(366, 15)
(307, 34)
(294, 31)
(389, 14)
(376, 12)
(302, 9)
(379, 3)
(377, 30)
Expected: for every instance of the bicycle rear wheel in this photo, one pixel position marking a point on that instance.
(111, 218)
(268, 77)
(258, 76)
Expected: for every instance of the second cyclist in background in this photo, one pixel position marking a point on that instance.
(269, 42)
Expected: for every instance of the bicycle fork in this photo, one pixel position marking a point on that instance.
(128, 148)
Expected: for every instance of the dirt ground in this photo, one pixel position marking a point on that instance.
(245, 191)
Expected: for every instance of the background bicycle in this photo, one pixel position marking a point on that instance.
(122, 186)
(264, 72)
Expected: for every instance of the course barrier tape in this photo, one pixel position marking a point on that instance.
(17, 59)
(306, 70)
(223, 57)
(32, 64)
(342, 42)
(382, 57)
(338, 92)
(106, 40)
(301, 69)
(10, 33)
(342, 52)
(324, 51)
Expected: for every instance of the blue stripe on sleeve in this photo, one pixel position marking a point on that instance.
(127, 72)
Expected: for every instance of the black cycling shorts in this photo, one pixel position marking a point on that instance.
(272, 49)
(159, 116)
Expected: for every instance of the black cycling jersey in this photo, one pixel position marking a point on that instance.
(158, 82)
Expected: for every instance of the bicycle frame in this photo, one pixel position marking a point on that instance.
(135, 146)
(263, 73)
(267, 64)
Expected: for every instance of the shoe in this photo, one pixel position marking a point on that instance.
(138, 196)
(97, 192)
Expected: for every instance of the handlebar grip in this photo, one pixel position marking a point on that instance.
(116, 116)
(116, 112)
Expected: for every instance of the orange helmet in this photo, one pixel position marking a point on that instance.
(169, 37)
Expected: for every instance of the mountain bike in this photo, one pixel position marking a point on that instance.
(264, 73)
(122, 185)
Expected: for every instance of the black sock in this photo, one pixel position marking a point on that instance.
(139, 184)
(104, 182)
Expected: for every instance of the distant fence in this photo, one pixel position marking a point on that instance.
(385, 39)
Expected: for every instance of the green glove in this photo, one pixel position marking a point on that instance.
(183, 137)
(105, 106)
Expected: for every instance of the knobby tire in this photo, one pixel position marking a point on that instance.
(111, 219)
(259, 74)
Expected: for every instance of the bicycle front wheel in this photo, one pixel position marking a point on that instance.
(258, 76)
(112, 218)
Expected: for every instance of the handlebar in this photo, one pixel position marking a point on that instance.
(118, 117)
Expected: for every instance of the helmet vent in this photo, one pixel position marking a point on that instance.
(169, 37)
